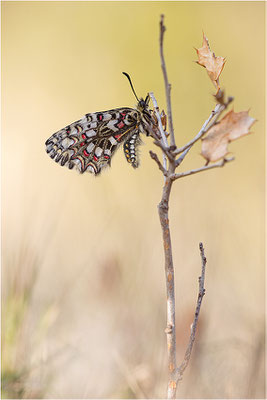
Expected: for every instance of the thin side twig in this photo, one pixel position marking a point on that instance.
(155, 158)
(215, 114)
(166, 82)
(211, 121)
(201, 169)
(201, 292)
(217, 110)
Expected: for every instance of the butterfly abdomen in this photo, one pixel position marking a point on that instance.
(130, 148)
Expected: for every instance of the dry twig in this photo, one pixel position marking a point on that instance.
(170, 152)
(201, 169)
(155, 157)
(201, 280)
(167, 84)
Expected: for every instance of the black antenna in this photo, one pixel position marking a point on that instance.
(125, 73)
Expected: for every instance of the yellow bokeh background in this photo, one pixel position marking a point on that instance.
(83, 306)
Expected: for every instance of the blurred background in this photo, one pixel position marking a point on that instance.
(83, 289)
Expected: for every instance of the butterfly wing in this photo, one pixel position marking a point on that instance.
(89, 144)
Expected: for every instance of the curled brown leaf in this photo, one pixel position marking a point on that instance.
(214, 65)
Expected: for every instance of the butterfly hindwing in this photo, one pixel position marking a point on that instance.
(89, 144)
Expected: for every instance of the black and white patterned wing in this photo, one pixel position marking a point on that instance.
(89, 144)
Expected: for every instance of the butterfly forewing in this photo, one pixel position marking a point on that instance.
(89, 144)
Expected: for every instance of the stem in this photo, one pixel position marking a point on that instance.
(170, 152)
(167, 84)
(163, 209)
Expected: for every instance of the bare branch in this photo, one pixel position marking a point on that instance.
(204, 168)
(170, 151)
(215, 114)
(201, 292)
(217, 111)
(166, 82)
(163, 209)
(155, 158)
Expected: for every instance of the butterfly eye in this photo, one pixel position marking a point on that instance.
(142, 103)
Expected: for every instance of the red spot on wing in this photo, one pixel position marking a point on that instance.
(83, 136)
(86, 154)
(120, 125)
(118, 137)
(123, 115)
(106, 157)
(82, 144)
(95, 158)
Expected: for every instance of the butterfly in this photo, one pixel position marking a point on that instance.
(89, 143)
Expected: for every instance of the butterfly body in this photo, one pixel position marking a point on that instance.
(89, 143)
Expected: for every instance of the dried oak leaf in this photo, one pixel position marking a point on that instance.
(232, 126)
(214, 65)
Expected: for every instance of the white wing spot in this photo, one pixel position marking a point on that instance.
(78, 164)
(98, 151)
(112, 140)
(90, 147)
(84, 120)
(111, 126)
(90, 133)
(90, 169)
(67, 142)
